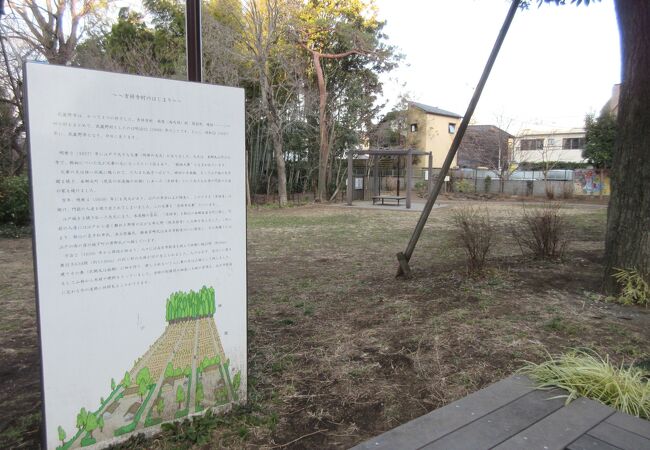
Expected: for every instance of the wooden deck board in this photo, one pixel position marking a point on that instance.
(501, 424)
(586, 442)
(560, 428)
(630, 423)
(619, 437)
(511, 414)
(434, 425)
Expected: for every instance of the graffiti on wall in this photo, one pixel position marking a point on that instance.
(591, 182)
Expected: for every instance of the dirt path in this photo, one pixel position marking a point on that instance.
(160, 380)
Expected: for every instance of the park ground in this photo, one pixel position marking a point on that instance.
(339, 350)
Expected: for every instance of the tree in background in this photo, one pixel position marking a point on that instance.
(38, 30)
(390, 131)
(223, 61)
(52, 29)
(265, 26)
(131, 45)
(340, 31)
(600, 140)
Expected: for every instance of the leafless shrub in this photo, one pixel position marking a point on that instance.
(542, 231)
(475, 232)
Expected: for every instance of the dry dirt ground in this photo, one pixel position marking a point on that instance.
(340, 350)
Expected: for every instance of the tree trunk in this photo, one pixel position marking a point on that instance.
(275, 127)
(323, 154)
(248, 185)
(627, 243)
(280, 165)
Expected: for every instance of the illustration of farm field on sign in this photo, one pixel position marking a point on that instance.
(183, 372)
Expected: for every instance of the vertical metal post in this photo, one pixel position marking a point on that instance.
(409, 178)
(376, 180)
(350, 178)
(193, 40)
(398, 169)
(430, 168)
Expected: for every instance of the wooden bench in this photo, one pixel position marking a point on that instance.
(392, 198)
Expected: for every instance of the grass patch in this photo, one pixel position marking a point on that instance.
(286, 322)
(561, 325)
(586, 374)
(290, 220)
(11, 231)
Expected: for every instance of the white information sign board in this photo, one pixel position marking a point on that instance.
(140, 244)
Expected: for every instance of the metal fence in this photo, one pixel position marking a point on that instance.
(529, 183)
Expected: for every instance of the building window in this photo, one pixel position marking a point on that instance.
(452, 128)
(414, 127)
(532, 144)
(573, 143)
(550, 142)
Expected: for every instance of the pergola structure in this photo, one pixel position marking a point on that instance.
(375, 156)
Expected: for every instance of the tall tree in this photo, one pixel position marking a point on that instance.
(53, 28)
(154, 46)
(627, 243)
(265, 27)
(335, 30)
(47, 30)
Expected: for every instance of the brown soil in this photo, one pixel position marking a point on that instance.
(339, 350)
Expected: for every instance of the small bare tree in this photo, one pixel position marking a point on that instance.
(475, 232)
(542, 230)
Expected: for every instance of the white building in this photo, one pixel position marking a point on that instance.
(534, 146)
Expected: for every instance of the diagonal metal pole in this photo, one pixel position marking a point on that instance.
(403, 258)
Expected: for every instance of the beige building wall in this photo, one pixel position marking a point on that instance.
(553, 146)
(432, 135)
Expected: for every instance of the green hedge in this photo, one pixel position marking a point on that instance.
(14, 201)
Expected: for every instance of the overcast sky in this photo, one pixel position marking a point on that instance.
(556, 65)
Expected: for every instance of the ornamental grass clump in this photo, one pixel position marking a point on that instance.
(586, 374)
(634, 289)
